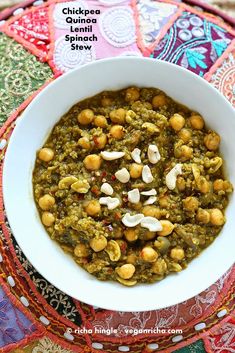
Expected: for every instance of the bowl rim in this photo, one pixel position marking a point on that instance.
(6, 168)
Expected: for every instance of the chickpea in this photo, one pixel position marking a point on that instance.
(106, 102)
(135, 206)
(101, 141)
(167, 228)
(131, 234)
(218, 185)
(117, 233)
(81, 250)
(159, 267)
(117, 131)
(132, 94)
(86, 116)
(118, 116)
(191, 204)
(100, 121)
(177, 122)
(196, 122)
(92, 162)
(151, 211)
(222, 185)
(184, 152)
(136, 170)
(181, 184)
(159, 101)
(84, 143)
(48, 219)
(162, 244)
(227, 186)
(147, 105)
(212, 141)
(125, 271)
(149, 235)
(148, 254)
(46, 154)
(131, 259)
(93, 208)
(216, 217)
(203, 185)
(98, 243)
(46, 202)
(203, 216)
(164, 201)
(185, 135)
(177, 254)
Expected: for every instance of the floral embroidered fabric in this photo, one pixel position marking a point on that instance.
(193, 43)
(34, 315)
(14, 324)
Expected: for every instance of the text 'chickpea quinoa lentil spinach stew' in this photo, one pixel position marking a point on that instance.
(131, 184)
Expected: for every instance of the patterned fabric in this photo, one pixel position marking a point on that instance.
(185, 37)
(33, 28)
(224, 78)
(194, 43)
(178, 316)
(46, 345)
(59, 301)
(115, 31)
(14, 325)
(197, 347)
(153, 15)
(222, 339)
(20, 75)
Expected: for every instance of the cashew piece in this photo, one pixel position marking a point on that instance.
(111, 156)
(132, 221)
(147, 174)
(172, 176)
(153, 154)
(135, 154)
(66, 182)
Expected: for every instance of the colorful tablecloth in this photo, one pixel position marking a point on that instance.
(227, 6)
(34, 315)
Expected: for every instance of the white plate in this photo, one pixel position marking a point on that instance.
(29, 135)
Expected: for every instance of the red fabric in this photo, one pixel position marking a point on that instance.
(32, 27)
(222, 338)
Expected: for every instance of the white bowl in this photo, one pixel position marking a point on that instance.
(32, 130)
